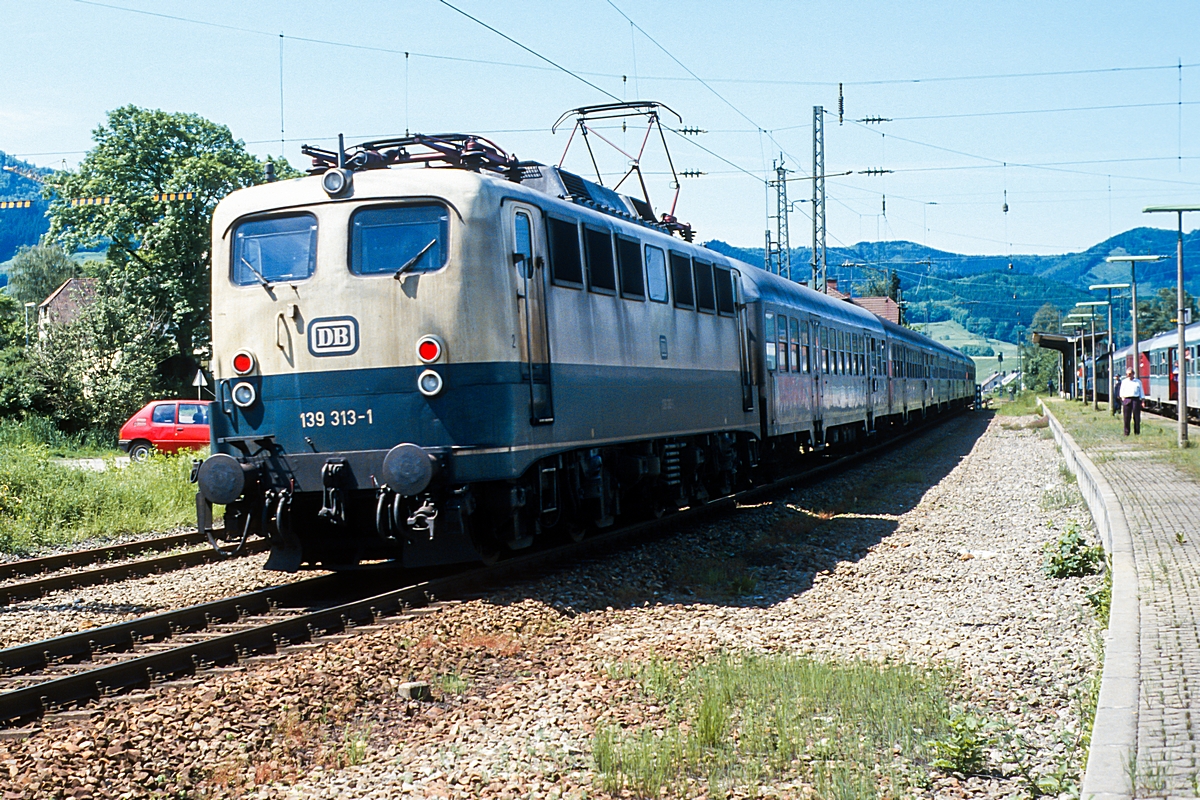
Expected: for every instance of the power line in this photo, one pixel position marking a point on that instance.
(759, 81)
(529, 50)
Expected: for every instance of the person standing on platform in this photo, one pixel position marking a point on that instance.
(1131, 395)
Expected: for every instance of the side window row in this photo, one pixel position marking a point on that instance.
(638, 271)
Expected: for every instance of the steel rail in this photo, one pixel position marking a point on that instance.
(97, 555)
(32, 701)
(37, 587)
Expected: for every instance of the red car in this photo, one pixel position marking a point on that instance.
(166, 425)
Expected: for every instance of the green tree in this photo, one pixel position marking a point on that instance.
(101, 367)
(1047, 319)
(1157, 315)
(37, 271)
(158, 252)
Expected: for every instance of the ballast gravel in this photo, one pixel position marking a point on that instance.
(78, 609)
(930, 555)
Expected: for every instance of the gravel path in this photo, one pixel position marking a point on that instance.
(930, 555)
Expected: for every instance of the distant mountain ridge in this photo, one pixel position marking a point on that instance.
(21, 226)
(983, 293)
(913, 260)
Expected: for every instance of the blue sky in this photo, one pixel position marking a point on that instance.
(1078, 153)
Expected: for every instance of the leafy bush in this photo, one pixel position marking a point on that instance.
(963, 748)
(1072, 557)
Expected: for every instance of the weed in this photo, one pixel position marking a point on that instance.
(733, 722)
(354, 745)
(1058, 498)
(727, 577)
(1100, 599)
(451, 683)
(1179, 537)
(963, 748)
(1071, 557)
(1068, 477)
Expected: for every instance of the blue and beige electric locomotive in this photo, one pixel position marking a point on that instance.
(429, 352)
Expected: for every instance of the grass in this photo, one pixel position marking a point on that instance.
(41, 432)
(1022, 405)
(43, 504)
(1094, 430)
(848, 730)
(714, 577)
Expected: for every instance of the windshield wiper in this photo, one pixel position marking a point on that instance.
(412, 262)
(266, 284)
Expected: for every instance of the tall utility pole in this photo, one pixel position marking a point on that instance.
(781, 251)
(818, 201)
(1181, 360)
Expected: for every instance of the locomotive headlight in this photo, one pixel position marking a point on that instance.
(429, 383)
(244, 395)
(336, 182)
(243, 362)
(430, 348)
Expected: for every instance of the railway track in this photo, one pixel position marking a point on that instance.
(49, 675)
(61, 571)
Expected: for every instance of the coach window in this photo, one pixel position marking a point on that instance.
(794, 342)
(681, 281)
(629, 264)
(275, 249)
(706, 297)
(769, 340)
(824, 336)
(565, 264)
(806, 358)
(656, 274)
(386, 240)
(723, 279)
(599, 261)
(783, 343)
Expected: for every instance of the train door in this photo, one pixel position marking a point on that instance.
(1173, 374)
(819, 364)
(743, 342)
(532, 334)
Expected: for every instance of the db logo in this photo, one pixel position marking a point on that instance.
(333, 336)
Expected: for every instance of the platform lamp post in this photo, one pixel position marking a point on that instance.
(1133, 262)
(1078, 392)
(1092, 306)
(1111, 348)
(1181, 324)
(1091, 318)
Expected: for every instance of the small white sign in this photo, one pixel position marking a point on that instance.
(199, 380)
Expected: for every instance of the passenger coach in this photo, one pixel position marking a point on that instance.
(428, 351)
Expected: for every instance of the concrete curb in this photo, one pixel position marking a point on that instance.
(1114, 731)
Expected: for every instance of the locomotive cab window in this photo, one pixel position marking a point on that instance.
(565, 264)
(656, 274)
(413, 238)
(599, 261)
(706, 297)
(629, 265)
(681, 280)
(274, 249)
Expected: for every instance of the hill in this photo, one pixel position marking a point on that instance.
(21, 226)
(992, 296)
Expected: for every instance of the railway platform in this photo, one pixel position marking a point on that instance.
(1145, 497)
